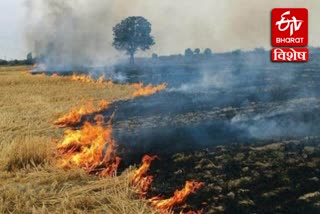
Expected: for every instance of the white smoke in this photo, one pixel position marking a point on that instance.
(77, 32)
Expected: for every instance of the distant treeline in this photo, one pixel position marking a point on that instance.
(208, 56)
(189, 56)
(28, 61)
(208, 53)
(14, 62)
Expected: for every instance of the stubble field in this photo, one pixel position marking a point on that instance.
(30, 182)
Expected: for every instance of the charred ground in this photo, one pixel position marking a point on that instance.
(246, 127)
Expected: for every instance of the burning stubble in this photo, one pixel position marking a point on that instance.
(28, 105)
(75, 115)
(93, 149)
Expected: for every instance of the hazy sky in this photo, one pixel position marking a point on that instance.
(12, 35)
(222, 25)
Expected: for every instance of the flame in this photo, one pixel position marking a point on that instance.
(108, 83)
(55, 75)
(82, 78)
(42, 74)
(26, 72)
(88, 79)
(76, 113)
(101, 79)
(141, 90)
(103, 104)
(140, 179)
(178, 198)
(91, 148)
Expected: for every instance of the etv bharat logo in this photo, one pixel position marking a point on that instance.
(285, 23)
(289, 27)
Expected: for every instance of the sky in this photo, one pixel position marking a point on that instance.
(221, 25)
(12, 44)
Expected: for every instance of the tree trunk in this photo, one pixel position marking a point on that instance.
(131, 59)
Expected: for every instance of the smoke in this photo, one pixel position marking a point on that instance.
(229, 97)
(79, 32)
(71, 33)
(281, 120)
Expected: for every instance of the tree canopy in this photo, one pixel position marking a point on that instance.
(207, 52)
(132, 34)
(197, 51)
(188, 52)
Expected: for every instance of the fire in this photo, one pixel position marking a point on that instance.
(178, 198)
(40, 67)
(107, 83)
(140, 179)
(91, 148)
(141, 90)
(103, 105)
(82, 78)
(55, 75)
(100, 79)
(25, 72)
(76, 113)
(88, 79)
(42, 74)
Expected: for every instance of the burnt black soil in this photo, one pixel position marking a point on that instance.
(236, 122)
(248, 140)
(273, 177)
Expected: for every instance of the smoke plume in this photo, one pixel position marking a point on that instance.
(79, 32)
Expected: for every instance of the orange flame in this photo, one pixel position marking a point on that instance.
(26, 72)
(40, 74)
(55, 75)
(103, 105)
(76, 113)
(82, 78)
(178, 198)
(101, 79)
(91, 148)
(88, 79)
(140, 179)
(141, 90)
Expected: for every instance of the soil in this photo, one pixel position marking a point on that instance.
(266, 177)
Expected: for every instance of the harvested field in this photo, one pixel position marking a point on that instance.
(30, 182)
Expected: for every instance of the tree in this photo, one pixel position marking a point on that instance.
(3, 62)
(236, 52)
(259, 50)
(197, 51)
(188, 52)
(207, 52)
(154, 56)
(29, 59)
(132, 34)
